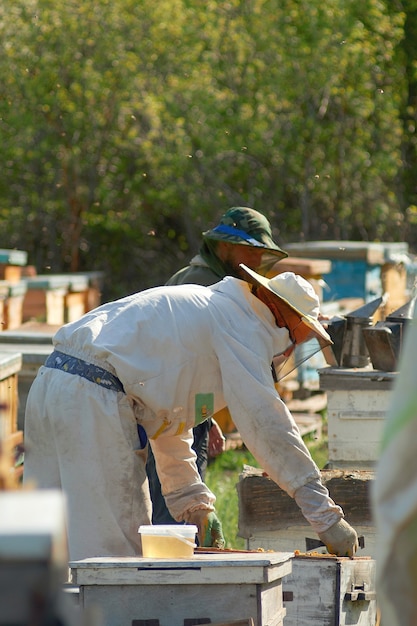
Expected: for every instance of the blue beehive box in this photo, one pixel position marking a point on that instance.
(356, 266)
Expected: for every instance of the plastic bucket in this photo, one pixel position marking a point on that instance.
(170, 541)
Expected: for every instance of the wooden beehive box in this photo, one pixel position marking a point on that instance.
(312, 270)
(11, 264)
(330, 591)
(270, 519)
(76, 297)
(45, 298)
(84, 294)
(10, 365)
(34, 344)
(13, 295)
(357, 403)
(208, 588)
(359, 269)
(60, 298)
(10, 436)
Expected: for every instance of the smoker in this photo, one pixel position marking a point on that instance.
(346, 332)
(384, 340)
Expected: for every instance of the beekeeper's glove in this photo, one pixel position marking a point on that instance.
(210, 533)
(340, 539)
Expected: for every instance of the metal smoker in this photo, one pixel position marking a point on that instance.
(350, 349)
(384, 341)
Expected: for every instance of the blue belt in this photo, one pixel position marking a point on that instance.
(94, 373)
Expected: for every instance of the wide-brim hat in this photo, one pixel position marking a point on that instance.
(297, 293)
(245, 226)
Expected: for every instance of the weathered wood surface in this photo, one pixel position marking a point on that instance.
(308, 268)
(10, 365)
(313, 404)
(356, 412)
(320, 588)
(355, 379)
(263, 506)
(239, 567)
(222, 587)
(221, 604)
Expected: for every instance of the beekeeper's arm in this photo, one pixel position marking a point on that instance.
(187, 497)
(181, 483)
(271, 434)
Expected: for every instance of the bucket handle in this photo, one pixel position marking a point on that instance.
(184, 539)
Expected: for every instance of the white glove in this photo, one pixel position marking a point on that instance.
(340, 539)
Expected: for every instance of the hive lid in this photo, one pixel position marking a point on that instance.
(185, 530)
(13, 257)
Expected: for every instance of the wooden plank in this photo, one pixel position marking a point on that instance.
(373, 253)
(75, 303)
(263, 506)
(308, 268)
(394, 283)
(192, 576)
(9, 404)
(313, 404)
(355, 379)
(12, 273)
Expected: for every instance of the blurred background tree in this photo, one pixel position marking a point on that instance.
(129, 126)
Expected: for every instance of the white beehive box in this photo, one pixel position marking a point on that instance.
(171, 592)
(330, 591)
(357, 403)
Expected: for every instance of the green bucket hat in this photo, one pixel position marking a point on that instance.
(245, 226)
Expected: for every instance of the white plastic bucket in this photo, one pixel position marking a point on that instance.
(172, 541)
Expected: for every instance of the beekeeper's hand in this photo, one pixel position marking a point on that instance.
(210, 533)
(340, 539)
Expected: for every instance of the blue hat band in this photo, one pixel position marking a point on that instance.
(229, 230)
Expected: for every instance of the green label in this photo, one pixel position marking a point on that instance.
(204, 406)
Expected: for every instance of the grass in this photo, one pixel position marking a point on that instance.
(222, 477)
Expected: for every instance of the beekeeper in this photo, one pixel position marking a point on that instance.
(242, 235)
(168, 358)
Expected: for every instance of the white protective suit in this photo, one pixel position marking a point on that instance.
(181, 353)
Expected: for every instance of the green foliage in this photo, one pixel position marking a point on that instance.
(222, 477)
(129, 126)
